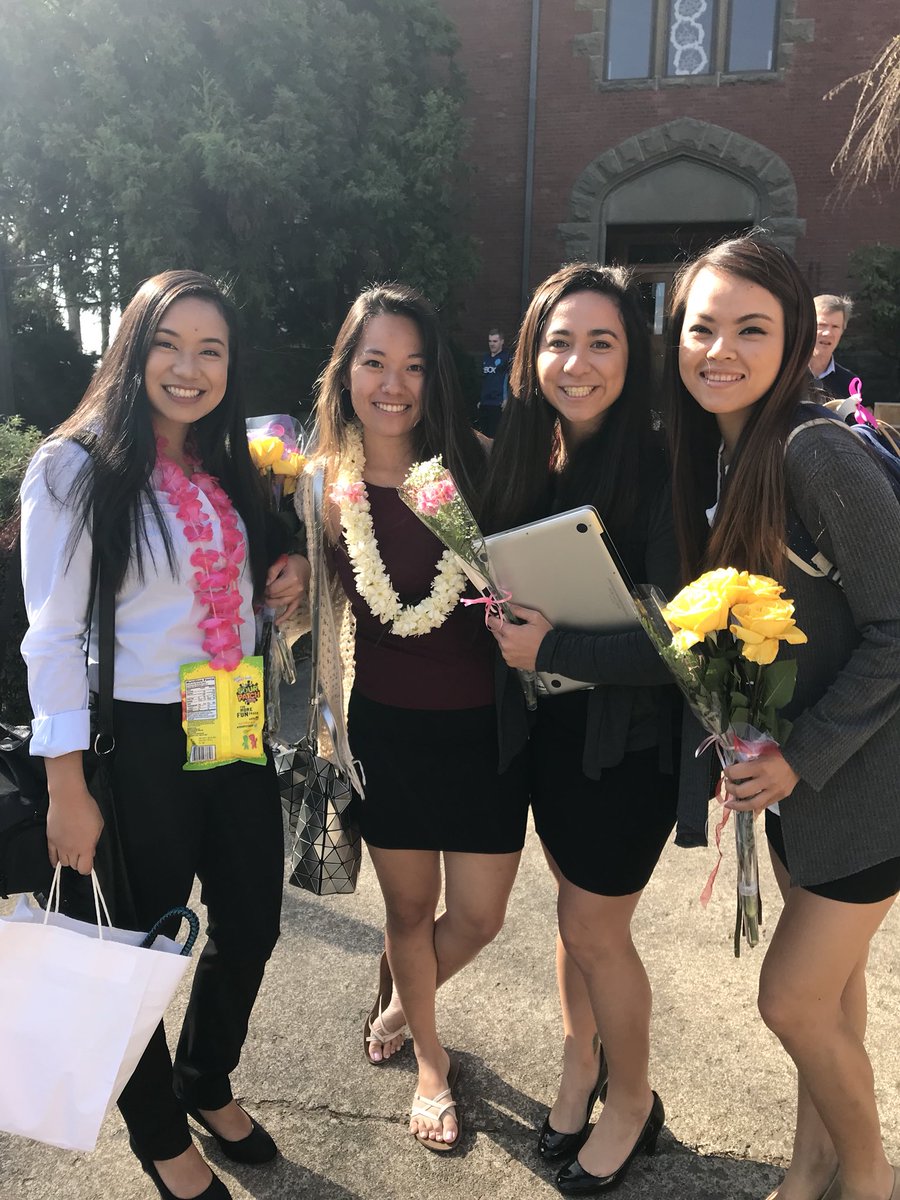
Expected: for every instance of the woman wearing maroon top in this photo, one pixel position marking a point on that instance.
(421, 714)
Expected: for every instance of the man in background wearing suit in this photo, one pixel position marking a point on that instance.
(832, 317)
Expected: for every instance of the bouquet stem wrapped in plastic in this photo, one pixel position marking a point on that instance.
(277, 447)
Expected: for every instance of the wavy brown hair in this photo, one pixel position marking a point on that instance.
(528, 468)
(444, 429)
(749, 530)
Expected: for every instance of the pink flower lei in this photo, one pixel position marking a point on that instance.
(215, 582)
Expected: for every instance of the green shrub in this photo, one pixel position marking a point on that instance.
(18, 442)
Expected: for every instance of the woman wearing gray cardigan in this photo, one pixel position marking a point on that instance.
(743, 326)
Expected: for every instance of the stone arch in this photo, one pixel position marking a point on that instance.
(755, 171)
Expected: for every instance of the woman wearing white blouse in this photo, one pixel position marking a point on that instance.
(152, 473)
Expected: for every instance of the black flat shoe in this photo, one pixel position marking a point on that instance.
(256, 1148)
(574, 1180)
(553, 1146)
(215, 1191)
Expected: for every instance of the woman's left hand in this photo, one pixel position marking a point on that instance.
(286, 583)
(519, 644)
(753, 786)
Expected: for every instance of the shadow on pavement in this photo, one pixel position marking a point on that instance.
(511, 1119)
(333, 925)
(284, 1178)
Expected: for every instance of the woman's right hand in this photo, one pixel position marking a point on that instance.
(74, 823)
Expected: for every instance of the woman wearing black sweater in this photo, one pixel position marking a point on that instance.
(578, 430)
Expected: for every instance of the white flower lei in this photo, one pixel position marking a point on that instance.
(372, 580)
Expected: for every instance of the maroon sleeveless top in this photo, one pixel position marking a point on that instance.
(450, 667)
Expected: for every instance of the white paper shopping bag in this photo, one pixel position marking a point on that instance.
(77, 1010)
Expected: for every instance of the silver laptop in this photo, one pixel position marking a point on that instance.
(566, 567)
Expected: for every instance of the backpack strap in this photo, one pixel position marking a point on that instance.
(800, 548)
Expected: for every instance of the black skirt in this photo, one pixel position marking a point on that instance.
(606, 834)
(431, 780)
(869, 886)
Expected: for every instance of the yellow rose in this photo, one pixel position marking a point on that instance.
(699, 609)
(265, 451)
(292, 464)
(739, 587)
(749, 588)
(762, 651)
(762, 624)
(721, 580)
(683, 639)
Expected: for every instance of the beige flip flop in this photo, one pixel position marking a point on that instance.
(435, 1108)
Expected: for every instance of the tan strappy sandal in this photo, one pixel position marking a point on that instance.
(435, 1108)
(832, 1192)
(375, 1029)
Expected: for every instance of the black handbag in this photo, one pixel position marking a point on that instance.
(317, 794)
(24, 798)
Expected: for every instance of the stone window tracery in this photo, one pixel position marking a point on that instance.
(654, 42)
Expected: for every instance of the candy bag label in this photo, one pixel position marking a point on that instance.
(223, 713)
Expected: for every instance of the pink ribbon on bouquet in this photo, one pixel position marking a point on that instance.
(747, 750)
(490, 601)
(863, 415)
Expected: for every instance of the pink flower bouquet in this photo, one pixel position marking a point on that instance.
(430, 491)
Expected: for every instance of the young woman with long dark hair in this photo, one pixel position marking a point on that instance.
(578, 429)
(152, 469)
(415, 669)
(743, 328)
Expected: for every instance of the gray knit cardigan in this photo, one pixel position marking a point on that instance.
(844, 815)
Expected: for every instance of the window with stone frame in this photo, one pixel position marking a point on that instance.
(677, 39)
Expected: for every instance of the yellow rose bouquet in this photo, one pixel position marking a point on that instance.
(277, 450)
(720, 637)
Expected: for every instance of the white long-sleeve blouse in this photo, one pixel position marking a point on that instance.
(156, 617)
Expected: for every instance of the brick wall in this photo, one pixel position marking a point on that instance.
(577, 120)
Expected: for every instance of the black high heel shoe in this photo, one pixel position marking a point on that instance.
(553, 1146)
(256, 1148)
(216, 1189)
(574, 1180)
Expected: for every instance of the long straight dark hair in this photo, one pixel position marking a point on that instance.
(444, 428)
(606, 470)
(112, 491)
(749, 529)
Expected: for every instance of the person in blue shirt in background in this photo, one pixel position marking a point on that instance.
(494, 375)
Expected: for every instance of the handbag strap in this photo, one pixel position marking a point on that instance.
(187, 914)
(317, 543)
(101, 586)
(103, 592)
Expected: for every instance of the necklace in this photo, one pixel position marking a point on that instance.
(371, 577)
(215, 580)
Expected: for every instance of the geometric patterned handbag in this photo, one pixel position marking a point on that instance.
(326, 850)
(317, 795)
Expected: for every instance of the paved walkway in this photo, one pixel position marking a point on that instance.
(727, 1087)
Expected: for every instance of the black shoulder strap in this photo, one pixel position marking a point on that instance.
(104, 739)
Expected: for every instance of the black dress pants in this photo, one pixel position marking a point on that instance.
(224, 826)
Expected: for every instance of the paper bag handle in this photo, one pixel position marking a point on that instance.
(99, 902)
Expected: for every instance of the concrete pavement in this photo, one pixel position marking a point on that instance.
(726, 1085)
